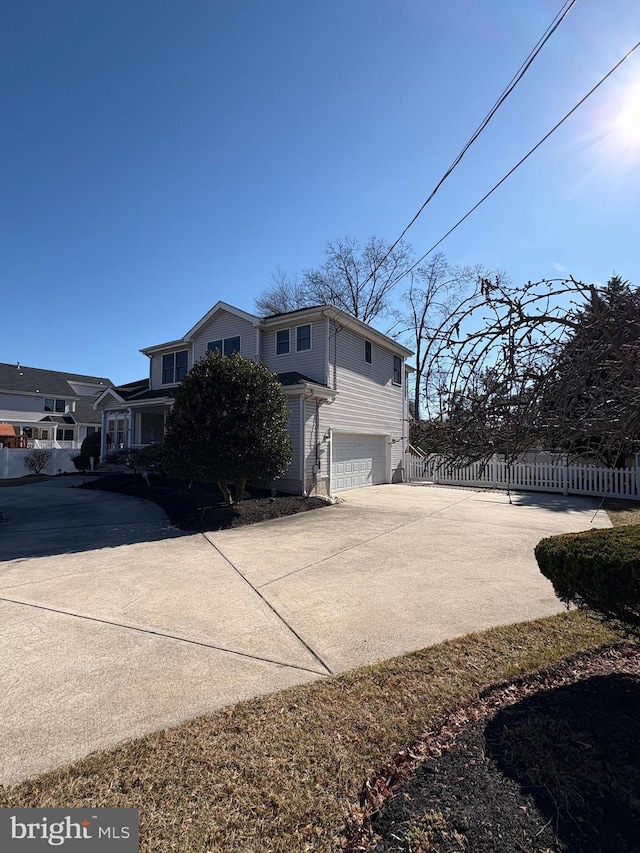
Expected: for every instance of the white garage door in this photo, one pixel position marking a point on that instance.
(358, 460)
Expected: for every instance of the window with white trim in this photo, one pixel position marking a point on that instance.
(367, 352)
(397, 370)
(174, 366)
(303, 337)
(225, 346)
(283, 341)
(64, 435)
(52, 405)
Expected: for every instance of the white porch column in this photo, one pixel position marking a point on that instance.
(129, 433)
(103, 436)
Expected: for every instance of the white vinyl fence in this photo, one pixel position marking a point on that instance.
(12, 462)
(49, 444)
(554, 476)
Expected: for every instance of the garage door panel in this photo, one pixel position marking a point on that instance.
(358, 460)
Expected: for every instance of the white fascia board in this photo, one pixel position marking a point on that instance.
(159, 347)
(110, 391)
(229, 309)
(311, 390)
(18, 419)
(49, 394)
(156, 401)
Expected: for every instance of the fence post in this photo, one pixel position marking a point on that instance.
(5, 462)
(636, 485)
(565, 476)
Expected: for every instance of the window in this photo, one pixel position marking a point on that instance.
(282, 342)
(397, 370)
(225, 346)
(303, 338)
(174, 366)
(367, 351)
(28, 431)
(64, 435)
(44, 434)
(51, 405)
(91, 430)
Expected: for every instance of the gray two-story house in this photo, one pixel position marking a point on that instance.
(48, 407)
(345, 384)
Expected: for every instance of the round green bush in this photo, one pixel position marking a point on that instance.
(598, 570)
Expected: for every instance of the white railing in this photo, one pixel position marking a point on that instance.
(53, 444)
(529, 476)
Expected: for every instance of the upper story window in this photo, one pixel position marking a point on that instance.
(367, 352)
(225, 346)
(303, 337)
(52, 405)
(397, 370)
(174, 366)
(283, 341)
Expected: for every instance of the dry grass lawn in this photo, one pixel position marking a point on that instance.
(622, 512)
(278, 773)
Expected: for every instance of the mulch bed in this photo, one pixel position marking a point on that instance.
(544, 764)
(201, 507)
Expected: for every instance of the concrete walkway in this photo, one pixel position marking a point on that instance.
(113, 624)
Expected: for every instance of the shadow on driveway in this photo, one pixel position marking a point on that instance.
(551, 501)
(55, 517)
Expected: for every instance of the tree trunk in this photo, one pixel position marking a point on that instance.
(226, 494)
(240, 490)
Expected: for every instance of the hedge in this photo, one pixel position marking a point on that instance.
(598, 570)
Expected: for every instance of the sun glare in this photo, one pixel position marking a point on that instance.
(626, 126)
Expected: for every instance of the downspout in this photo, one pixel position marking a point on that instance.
(405, 422)
(317, 446)
(301, 431)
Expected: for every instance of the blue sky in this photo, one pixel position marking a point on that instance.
(158, 156)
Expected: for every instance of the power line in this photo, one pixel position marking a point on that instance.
(521, 161)
(553, 26)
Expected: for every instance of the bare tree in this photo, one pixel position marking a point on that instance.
(553, 364)
(434, 291)
(358, 279)
(286, 293)
(37, 461)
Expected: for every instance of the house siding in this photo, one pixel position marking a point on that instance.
(156, 365)
(367, 400)
(16, 406)
(313, 436)
(293, 407)
(226, 326)
(311, 363)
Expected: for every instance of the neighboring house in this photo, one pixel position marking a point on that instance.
(344, 382)
(48, 407)
(9, 438)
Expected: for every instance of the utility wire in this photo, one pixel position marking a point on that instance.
(526, 157)
(519, 163)
(553, 26)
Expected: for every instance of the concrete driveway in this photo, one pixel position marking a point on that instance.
(113, 624)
